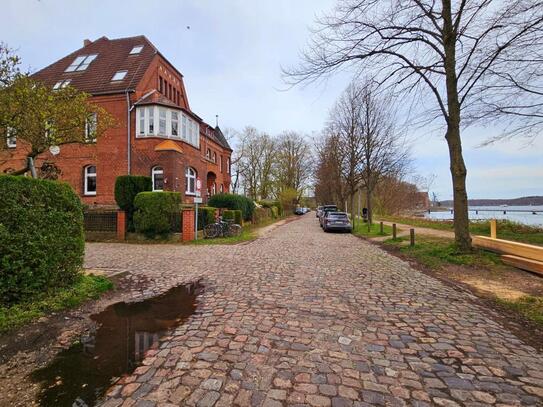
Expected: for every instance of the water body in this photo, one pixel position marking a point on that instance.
(80, 375)
(524, 215)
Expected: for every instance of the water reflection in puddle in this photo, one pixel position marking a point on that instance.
(80, 375)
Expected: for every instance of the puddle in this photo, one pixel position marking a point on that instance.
(80, 375)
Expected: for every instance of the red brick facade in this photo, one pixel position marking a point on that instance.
(159, 85)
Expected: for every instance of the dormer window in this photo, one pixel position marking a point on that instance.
(81, 63)
(136, 50)
(119, 76)
(62, 84)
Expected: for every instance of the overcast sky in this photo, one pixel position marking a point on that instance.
(231, 57)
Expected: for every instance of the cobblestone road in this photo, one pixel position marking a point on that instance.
(299, 317)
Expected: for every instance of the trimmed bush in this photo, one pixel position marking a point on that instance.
(262, 214)
(206, 215)
(154, 211)
(233, 201)
(270, 203)
(235, 214)
(41, 237)
(126, 189)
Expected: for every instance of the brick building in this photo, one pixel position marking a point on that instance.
(156, 132)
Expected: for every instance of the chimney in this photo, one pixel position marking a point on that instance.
(86, 42)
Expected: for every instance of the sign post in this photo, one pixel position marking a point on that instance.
(197, 200)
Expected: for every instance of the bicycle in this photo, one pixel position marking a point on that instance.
(222, 228)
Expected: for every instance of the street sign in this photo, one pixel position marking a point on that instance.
(198, 200)
(198, 184)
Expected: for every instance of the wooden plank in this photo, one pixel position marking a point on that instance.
(508, 247)
(524, 264)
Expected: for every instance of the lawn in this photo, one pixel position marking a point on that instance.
(437, 252)
(529, 306)
(361, 229)
(86, 288)
(507, 230)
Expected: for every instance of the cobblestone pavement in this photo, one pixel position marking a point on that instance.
(303, 318)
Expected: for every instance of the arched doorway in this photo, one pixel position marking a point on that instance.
(211, 183)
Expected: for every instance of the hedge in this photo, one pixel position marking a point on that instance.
(206, 215)
(154, 211)
(41, 237)
(126, 189)
(262, 214)
(269, 203)
(235, 214)
(233, 201)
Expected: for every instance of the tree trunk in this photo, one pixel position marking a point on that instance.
(454, 141)
(352, 205)
(370, 209)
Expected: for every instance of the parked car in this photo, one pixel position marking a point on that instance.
(337, 221)
(325, 209)
(299, 211)
(318, 211)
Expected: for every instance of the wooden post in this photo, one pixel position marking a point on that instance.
(394, 231)
(493, 229)
(412, 237)
(381, 229)
(121, 225)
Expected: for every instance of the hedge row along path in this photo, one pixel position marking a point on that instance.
(300, 317)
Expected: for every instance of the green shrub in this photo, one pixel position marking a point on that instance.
(235, 214)
(154, 212)
(262, 214)
(233, 201)
(126, 189)
(41, 237)
(206, 215)
(270, 203)
(274, 212)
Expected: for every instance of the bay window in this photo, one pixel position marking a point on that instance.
(170, 123)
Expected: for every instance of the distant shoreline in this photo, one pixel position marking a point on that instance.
(522, 201)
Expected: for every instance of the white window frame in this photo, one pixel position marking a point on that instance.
(86, 176)
(174, 119)
(190, 174)
(150, 116)
(11, 141)
(62, 84)
(157, 170)
(162, 121)
(91, 127)
(136, 50)
(141, 121)
(119, 75)
(81, 63)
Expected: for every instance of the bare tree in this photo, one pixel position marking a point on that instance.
(384, 151)
(294, 163)
(329, 184)
(428, 47)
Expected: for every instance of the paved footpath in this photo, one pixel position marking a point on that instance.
(303, 318)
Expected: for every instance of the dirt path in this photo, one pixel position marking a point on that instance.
(404, 231)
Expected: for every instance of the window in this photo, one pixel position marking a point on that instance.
(170, 91)
(81, 63)
(175, 124)
(119, 76)
(178, 98)
(141, 113)
(62, 84)
(11, 141)
(220, 164)
(213, 189)
(136, 50)
(90, 180)
(160, 84)
(208, 154)
(184, 128)
(190, 181)
(162, 121)
(221, 188)
(151, 120)
(228, 165)
(157, 174)
(90, 128)
(215, 157)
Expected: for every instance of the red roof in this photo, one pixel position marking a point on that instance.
(111, 56)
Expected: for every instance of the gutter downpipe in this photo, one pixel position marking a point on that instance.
(128, 135)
